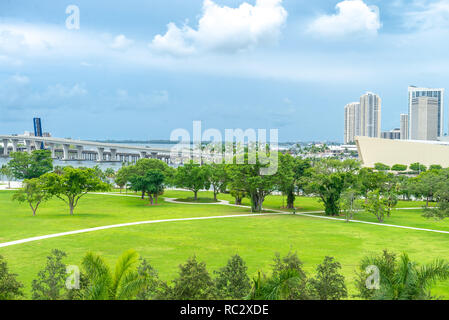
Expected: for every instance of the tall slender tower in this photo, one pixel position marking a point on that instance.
(404, 127)
(438, 95)
(424, 118)
(370, 115)
(352, 121)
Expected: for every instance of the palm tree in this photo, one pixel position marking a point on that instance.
(278, 287)
(405, 279)
(122, 284)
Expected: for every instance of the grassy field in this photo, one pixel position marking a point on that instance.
(167, 245)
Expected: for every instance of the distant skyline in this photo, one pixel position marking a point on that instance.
(140, 69)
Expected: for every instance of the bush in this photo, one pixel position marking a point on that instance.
(328, 283)
(10, 288)
(399, 167)
(232, 280)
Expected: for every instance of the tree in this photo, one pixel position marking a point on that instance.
(50, 284)
(232, 280)
(381, 167)
(401, 279)
(369, 180)
(251, 179)
(29, 166)
(427, 184)
(6, 171)
(122, 177)
(73, 184)
(328, 284)
(33, 191)
(193, 177)
(10, 288)
(399, 167)
(349, 204)
(218, 178)
(109, 173)
(152, 183)
(328, 179)
(417, 167)
(124, 283)
(296, 288)
(291, 170)
(150, 279)
(193, 283)
(376, 205)
(441, 195)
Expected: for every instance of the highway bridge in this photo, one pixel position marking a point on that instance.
(69, 149)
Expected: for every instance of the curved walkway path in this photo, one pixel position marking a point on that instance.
(222, 202)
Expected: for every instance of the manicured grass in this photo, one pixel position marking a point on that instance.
(199, 200)
(169, 244)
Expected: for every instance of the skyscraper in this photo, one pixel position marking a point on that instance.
(404, 127)
(370, 115)
(438, 94)
(352, 121)
(424, 118)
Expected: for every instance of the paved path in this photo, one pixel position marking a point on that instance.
(311, 214)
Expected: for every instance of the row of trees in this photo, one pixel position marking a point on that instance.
(378, 277)
(414, 167)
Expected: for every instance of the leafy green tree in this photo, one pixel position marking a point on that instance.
(7, 172)
(151, 281)
(291, 170)
(435, 167)
(232, 280)
(381, 167)
(427, 184)
(369, 180)
(276, 287)
(29, 166)
(122, 177)
(328, 179)
(399, 167)
(193, 283)
(349, 204)
(73, 184)
(402, 279)
(50, 284)
(297, 287)
(376, 205)
(109, 173)
(123, 283)
(253, 180)
(193, 177)
(10, 288)
(418, 167)
(328, 284)
(218, 178)
(34, 192)
(152, 183)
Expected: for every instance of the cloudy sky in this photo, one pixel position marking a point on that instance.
(142, 68)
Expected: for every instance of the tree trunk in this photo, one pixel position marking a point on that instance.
(427, 202)
(256, 202)
(290, 199)
(120, 189)
(143, 195)
(215, 196)
(71, 209)
(151, 198)
(196, 195)
(155, 198)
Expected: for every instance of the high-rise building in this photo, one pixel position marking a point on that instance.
(404, 127)
(438, 96)
(352, 121)
(394, 134)
(424, 118)
(370, 115)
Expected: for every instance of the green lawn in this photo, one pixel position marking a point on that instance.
(167, 245)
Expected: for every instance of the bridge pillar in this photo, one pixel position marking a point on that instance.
(113, 154)
(37, 145)
(28, 145)
(65, 149)
(52, 149)
(100, 154)
(15, 142)
(79, 152)
(143, 155)
(5, 147)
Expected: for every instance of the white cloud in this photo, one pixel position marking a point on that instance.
(353, 17)
(428, 15)
(121, 42)
(226, 29)
(22, 80)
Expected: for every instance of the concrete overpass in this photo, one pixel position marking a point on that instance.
(69, 149)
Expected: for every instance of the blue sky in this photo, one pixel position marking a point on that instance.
(140, 69)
